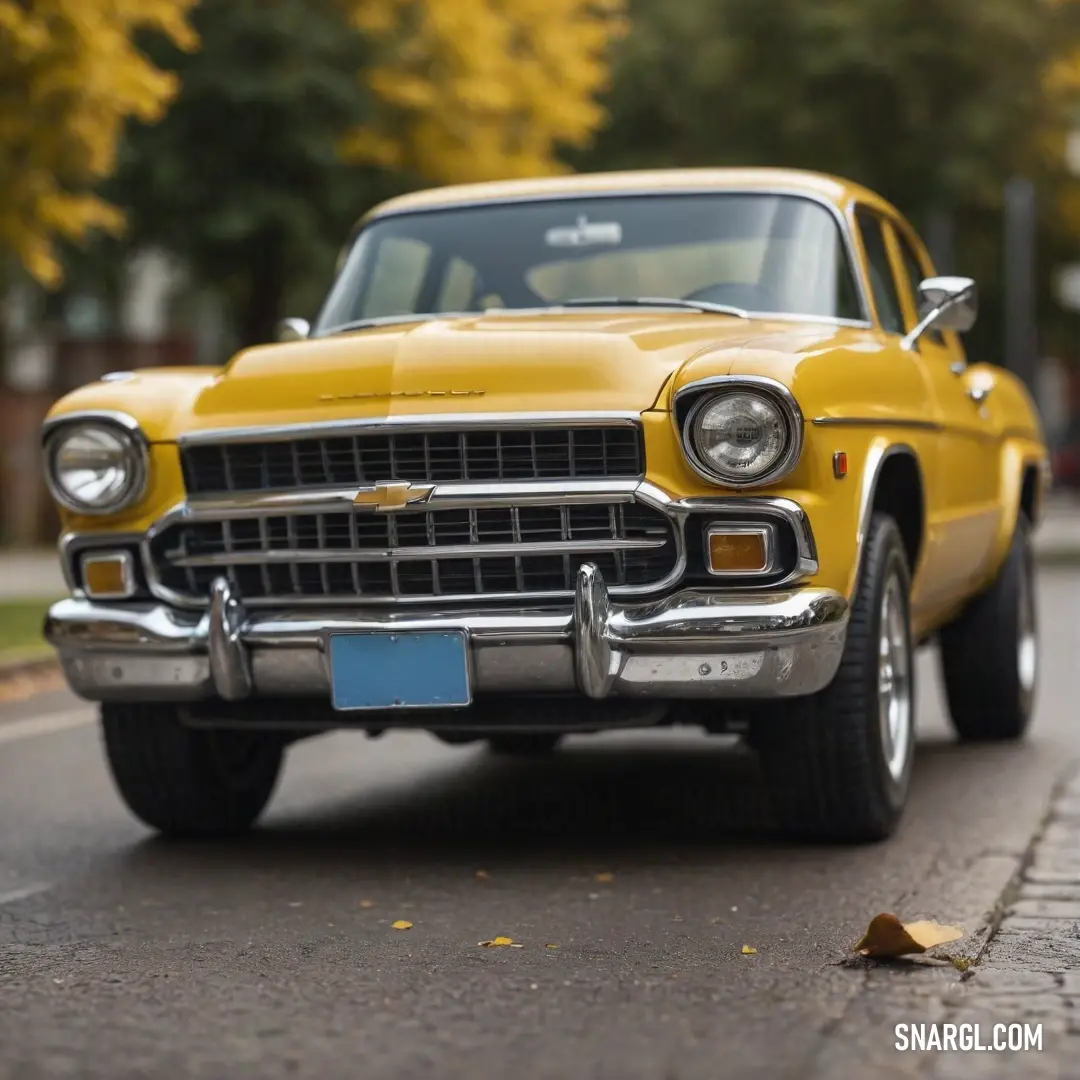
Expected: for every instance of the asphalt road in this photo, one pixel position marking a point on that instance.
(124, 956)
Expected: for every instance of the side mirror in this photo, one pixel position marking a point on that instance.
(293, 329)
(945, 303)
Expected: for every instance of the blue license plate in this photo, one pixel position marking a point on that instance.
(378, 670)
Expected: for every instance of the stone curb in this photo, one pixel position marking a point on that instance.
(1028, 972)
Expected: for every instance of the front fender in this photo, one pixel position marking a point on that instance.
(1022, 457)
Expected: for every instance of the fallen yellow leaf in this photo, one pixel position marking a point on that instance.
(494, 942)
(550, 946)
(748, 950)
(887, 936)
(402, 924)
(605, 876)
(367, 903)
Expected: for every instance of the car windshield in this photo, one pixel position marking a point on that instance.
(781, 254)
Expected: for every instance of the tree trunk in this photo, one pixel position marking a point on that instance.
(265, 298)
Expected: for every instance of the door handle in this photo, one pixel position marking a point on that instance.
(979, 394)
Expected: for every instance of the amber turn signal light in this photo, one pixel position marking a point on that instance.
(739, 549)
(108, 576)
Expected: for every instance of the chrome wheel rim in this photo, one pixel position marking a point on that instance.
(894, 680)
(1027, 641)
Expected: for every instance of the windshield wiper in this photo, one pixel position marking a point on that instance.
(582, 301)
(654, 301)
(389, 320)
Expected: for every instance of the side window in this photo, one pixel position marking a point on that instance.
(914, 272)
(847, 299)
(458, 288)
(396, 277)
(886, 298)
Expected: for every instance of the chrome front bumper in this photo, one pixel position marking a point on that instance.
(694, 644)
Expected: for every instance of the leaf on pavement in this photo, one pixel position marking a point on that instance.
(367, 903)
(550, 945)
(887, 937)
(482, 875)
(605, 877)
(498, 942)
(402, 924)
(748, 950)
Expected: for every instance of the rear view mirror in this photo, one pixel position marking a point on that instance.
(945, 303)
(293, 329)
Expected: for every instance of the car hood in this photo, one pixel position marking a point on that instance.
(494, 363)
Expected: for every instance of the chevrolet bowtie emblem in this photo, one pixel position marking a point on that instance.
(392, 495)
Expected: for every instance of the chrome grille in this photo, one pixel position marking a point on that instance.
(543, 453)
(501, 551)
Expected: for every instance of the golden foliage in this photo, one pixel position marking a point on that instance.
(481, 89)
(69, 78)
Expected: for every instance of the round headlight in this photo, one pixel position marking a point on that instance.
(95, 467)
(741, 437)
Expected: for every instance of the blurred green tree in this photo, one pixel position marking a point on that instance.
(69, 78)
(242, 178)
(297, 115)
(934, 105)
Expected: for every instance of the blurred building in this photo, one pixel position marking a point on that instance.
(154, 321)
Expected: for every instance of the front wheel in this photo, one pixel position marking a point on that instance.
(990, 654)
(838, 763)
(186, 782)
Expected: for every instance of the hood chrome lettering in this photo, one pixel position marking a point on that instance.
(402, 393)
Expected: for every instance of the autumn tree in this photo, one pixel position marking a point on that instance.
(69, 78)
(467, 90)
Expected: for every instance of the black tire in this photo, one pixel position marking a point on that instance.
(826, 757)
(186, 782)
(524, 745)
(989, 654)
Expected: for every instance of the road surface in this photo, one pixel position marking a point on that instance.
(124, 956)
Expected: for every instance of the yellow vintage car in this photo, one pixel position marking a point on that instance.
(560, 456)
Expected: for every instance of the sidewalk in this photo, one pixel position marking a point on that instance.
(30, 575)
(36, 574)
(1058, 536)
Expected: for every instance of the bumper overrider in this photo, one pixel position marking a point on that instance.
(695, 643)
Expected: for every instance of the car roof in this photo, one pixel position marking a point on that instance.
(822, 186)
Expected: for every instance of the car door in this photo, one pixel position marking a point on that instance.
(907, 420)
(969, 462)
